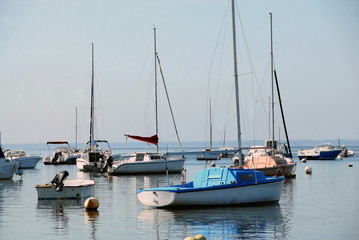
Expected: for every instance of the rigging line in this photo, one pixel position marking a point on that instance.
(223, 26)
(168, 100)
(138, 85)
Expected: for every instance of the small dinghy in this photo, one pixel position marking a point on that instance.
(60, 188)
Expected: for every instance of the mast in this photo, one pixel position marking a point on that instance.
(236, 85)
(272, 71)
(92, 112)
(76, 129)
(210, 125)
(156, 103)
(279, 96)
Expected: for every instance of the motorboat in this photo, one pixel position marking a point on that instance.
(346, 152)
(144, 163)
(24, 160)
(61, 188)
(62, 155)
(217, 186)
(324, 151)
(263, 159)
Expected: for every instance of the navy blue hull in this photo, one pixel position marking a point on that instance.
(324, 155)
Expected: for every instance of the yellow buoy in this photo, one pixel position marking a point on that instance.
(200, 237)
(91, 203)
(308, 170)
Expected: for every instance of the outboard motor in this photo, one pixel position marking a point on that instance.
(107, 164)
(59, 179)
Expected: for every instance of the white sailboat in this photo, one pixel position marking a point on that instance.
(219, 186)
(147, 162)
(93, 158)
(268, 158)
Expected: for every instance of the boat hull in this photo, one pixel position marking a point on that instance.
(7, 169)
(144, 167)
(241, 195)
(323, 155)
(27, 162)
(70, 190)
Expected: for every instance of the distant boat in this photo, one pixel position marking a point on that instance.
(93, 158)
(324, 151)
(208, 154)
(346, 152)
(62, 155)
(219, 186)
(216, 186)
(60, 188)
(261, 158)
(144, 162)
(25, 160)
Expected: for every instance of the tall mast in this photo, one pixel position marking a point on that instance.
(76, 130)
(156, 104)
(272, 71)
(236, 85)
(210, 125)
(92, 113)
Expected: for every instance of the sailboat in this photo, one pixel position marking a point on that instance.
(148, 162)
(219, 186)
(94, 158)
(270, 158)
(208, 154)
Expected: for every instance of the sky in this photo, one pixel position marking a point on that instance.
(45, 68)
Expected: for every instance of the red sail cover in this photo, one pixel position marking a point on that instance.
(153, 139)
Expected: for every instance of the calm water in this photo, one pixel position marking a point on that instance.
(324, 205)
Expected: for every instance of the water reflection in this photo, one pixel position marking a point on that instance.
(259, 222)
(91, 217)
(58, 213)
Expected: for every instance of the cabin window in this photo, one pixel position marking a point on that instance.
(156, 157)
(140, 157)
(246, 177)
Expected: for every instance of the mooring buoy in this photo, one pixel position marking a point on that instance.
(308, 170)
(91, 203)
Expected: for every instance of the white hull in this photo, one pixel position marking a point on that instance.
(142, 167)
(261, 193)
(7, 169)
(72, 189)
(27, 162)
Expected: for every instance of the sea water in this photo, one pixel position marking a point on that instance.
(323, 205)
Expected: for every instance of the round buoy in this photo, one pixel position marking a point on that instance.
(350, 164)
(304, 160)
(91, 203)
(200, 237)
(308, 170)
(189, 238)
(213, 164)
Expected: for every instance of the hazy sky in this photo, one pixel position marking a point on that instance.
(45, 68)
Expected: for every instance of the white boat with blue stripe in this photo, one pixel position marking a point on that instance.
(216, 187)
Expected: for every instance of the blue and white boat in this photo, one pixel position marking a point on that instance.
(324, 151)
(217, 186)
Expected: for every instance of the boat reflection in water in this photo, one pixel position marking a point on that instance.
(259, 222)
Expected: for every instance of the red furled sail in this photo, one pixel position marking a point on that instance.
(153, 139)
